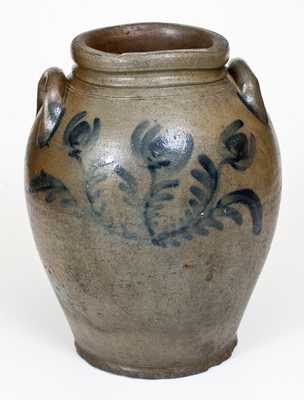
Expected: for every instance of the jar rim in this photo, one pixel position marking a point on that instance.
(151, 46)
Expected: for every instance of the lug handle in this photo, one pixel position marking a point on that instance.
(50, 100)
(248, 87)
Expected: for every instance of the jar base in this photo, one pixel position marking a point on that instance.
(158, 373)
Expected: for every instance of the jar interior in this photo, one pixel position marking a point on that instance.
(148, 38)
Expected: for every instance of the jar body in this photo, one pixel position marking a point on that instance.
(153, 210)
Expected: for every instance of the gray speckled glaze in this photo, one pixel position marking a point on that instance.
(153, 186)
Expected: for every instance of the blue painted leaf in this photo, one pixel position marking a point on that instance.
(166, 184)
(163, 196)
(186, 235)
(207, 178)
(229, 212)
(202, 177)
(128, 201)
(200, 195)
(213, 223)
(130, 184)
(53, 187)
(250, 199)
(136, 137)
(199, 229)
(125, 188)
(209, 166)
(158, 206)
(193, 204)
(94, 192)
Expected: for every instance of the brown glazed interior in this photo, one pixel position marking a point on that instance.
(150, 47)
(139, 38)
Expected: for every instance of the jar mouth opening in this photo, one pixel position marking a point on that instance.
(144, 38)
(150, 46)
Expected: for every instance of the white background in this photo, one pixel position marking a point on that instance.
(37, 358)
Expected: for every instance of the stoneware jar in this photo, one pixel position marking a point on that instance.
(153, 186)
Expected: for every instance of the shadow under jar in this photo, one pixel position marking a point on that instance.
(153, 186)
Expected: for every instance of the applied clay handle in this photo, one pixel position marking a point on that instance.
(249, 88)
(50, 98)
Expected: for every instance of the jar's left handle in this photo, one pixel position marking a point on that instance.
(50, 100)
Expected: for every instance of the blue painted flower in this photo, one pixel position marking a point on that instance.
(79, 135)
(237, 148)
(170, 149)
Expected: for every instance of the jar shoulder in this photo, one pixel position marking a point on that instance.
(108, 124)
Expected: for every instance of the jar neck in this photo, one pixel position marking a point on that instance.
(149, 55)
(147, 79)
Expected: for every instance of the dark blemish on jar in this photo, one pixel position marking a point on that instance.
(209, 276)
(210, 273)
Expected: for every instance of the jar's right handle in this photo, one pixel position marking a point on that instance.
(249, 88)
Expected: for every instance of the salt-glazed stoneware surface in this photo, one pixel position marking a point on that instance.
(153, 186)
